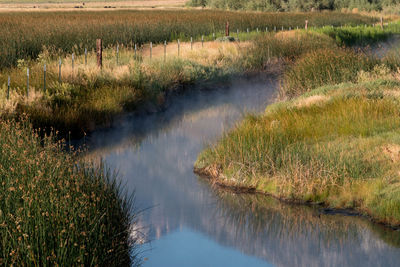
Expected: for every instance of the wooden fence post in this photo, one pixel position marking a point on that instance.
(85, 56)
(306, 25)
(99, 47)
(382, 22)
(227, 28)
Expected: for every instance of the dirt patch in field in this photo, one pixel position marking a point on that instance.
(312, 100)
(88, 5)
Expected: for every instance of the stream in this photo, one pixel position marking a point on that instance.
(188, 222)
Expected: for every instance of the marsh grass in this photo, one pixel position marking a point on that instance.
(324, 67)
(56, 209)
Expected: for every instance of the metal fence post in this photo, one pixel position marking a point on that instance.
(165, 50)
(59, 70)
(44, 78)
(27, 82)
(8, 87)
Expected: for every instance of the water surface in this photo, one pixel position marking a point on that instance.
(190, 223)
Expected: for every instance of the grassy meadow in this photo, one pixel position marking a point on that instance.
(331, 138)
(25, 34)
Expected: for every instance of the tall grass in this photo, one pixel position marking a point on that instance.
(324, 67)
(287, 46)
(24, 34)
(56, 210)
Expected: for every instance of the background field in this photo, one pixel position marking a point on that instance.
(24, 34)
(50, 5)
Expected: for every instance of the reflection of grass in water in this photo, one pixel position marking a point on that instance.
(274, 219)
(266, 216)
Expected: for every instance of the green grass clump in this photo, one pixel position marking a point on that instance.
(359, 35)
(324, 67)
(336, 145)
(56, 210)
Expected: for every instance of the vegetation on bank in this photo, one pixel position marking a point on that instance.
(296, 5)
(25, 34)
(331, 139)
(88, 96)
(56, 210)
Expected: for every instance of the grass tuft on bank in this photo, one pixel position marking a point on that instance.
(58, 210)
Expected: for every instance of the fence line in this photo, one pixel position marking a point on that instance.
(136, 58)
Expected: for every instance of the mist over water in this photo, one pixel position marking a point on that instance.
(190, 223)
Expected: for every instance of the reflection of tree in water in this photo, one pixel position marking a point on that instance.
(288, 235)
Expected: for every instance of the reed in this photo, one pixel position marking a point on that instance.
(56, 209)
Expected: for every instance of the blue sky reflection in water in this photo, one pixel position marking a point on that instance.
(155, 154)
(178, 249)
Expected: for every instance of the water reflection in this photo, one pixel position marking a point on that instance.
(155, 156)
(293, 235)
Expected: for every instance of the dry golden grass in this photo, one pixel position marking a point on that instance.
(209, 53)
(43, 5)
(312, 100)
